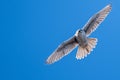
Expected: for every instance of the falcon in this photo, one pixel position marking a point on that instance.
(81, 38)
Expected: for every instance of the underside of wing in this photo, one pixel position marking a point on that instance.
(65, 48)
(95, 20)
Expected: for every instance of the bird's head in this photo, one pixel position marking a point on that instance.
(79, 32)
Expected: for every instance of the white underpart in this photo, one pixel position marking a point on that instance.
(76, 34)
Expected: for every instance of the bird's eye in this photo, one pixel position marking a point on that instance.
(80, 30)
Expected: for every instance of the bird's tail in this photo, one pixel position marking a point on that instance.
(82, 52)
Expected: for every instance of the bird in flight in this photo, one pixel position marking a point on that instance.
(81, 38)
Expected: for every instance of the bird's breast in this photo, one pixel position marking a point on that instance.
(82, 40)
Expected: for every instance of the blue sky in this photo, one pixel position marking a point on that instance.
(30, 30)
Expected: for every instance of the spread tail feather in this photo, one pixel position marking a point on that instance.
(82, 52)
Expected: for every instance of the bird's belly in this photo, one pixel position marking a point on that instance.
(82, 41)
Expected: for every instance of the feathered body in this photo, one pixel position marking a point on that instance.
(81, 38)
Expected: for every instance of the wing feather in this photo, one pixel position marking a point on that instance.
(96, 20)
(62, 50)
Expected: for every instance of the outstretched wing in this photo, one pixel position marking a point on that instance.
(95, 20)
(65, 48)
